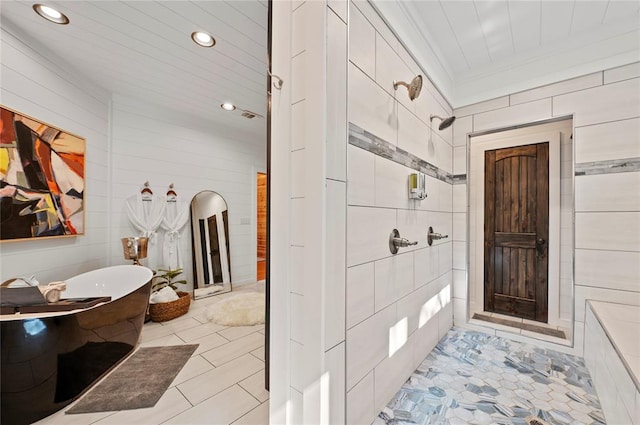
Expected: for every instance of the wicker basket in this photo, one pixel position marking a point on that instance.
(161, 312)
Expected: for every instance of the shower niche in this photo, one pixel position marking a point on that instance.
(210, 242)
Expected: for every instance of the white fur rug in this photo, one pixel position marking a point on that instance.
(244, 309)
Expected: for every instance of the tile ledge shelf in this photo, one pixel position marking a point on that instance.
(597, 308)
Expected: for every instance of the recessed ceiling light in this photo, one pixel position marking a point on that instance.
(203, 39)
(228, 106)
(51, 14)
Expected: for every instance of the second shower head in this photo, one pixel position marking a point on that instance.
(444, 122)
(414, 86)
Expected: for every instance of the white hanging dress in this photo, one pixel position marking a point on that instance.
(146, 216)
(176, 216)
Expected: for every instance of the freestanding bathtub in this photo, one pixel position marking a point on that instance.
(49, 359)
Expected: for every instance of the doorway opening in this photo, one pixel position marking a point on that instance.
(261, 226)
(520, 229)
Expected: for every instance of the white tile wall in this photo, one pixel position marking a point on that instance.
(476, 108)
(334, 363)
(360, 293)
(519, 114)
(612, 140)
(391, 373)
(608, 269)
(413, 135)
(393, 279)
(335, 292)
(361, 187)
(372, 16)
(392, 184)
(616, 101)
(568, 86)
(298, 134)
(395, 287)
(622, 73)
(370, 107)
(608, 192)
(336, 99)
(612, 380)
(360, 409)
(340, 8)
(622, 231)
(461, 127)
(425, 265)
(459, 160)
(362, 42)
(368, 232)
(390, 68)
(368, 344)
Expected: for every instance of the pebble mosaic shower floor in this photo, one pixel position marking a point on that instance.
(474, 378)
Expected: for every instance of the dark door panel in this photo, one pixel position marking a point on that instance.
(516, 230)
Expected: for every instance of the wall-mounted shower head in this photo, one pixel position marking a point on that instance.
(445, 122)
(414, 86)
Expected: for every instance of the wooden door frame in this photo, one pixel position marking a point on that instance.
(254, 207)
(477, 146)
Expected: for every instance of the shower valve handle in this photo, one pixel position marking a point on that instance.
(403, 242)
(396, 242)
(431, 236)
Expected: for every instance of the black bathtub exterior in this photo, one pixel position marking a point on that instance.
(47, 363)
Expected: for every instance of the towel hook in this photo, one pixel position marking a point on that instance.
(278, 83)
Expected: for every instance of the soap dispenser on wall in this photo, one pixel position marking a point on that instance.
(417, 186)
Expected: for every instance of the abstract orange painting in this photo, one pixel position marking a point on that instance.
(41, 179)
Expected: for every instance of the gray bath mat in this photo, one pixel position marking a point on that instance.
(137, 383)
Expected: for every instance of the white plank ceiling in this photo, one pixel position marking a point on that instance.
(470, 38)
(143, 49)
(472, 34)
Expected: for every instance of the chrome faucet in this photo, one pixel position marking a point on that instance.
(395, 242)
(431, 236)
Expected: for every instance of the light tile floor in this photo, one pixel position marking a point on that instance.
(475, 378)
(222, 383)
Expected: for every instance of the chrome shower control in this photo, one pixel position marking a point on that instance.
(434, 236)
(395, 242)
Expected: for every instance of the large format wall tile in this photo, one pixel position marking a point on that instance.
(426, 263)
(360, 293)
(370, 107)
(390, 68)
(608, 269)
(608, 192)
(393, 279)
(361, 174)
(336, 102)
(461, 127)
(513, 115)
(477, 108)
(368, 232)
(610, 102)
(413, 135)
(567, 86)
(336, 222)
(618, 231)
(362, 42)
(622, 73)
(392, 184)
(368, 344)
(612, 140)
(360, 408)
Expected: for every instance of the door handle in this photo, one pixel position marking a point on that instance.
(540, 243)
